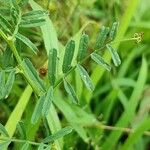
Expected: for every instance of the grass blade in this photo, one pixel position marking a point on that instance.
(85, 77)
(98, 59)
(83, 47)
(69, 89)
(59, 134)
(114, 54)
(52, 60)
(69, 51)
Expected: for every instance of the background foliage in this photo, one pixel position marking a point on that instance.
(113, 115)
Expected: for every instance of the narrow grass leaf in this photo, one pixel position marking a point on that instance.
(101, 37)
(37, 113)
(9, 83)
(4, 145)
(69, 89)
(59, 134)
(114, 54)
(25, 146)
(28, 23)
(85, 77)
(48, 101)
(83, 46)
(21, 129)
(113, 30)
(3, 131)
(27, 42)
(100, 60)
(52, 60)
(48, 30)
(69, 51)
(34, 14)
(32, 74)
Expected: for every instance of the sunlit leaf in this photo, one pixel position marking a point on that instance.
(25, 146)
(85, 77)
(114, 54)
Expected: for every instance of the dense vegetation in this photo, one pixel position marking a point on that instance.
(74, 75)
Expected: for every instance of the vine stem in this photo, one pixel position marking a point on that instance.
(112, 128)
(21, 141)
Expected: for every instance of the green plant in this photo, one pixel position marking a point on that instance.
(59, 68)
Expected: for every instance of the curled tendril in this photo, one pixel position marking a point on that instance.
(138, 37)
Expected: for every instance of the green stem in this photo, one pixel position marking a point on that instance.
(21, 141)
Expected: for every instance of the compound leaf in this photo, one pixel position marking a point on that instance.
(3, 131)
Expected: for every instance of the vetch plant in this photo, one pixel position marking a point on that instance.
(57, 71)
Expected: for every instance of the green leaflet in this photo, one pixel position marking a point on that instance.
(32, 74)
(38, 110)
(34, 14)
(101, 37)
(48, 148)
(41, 147)
(83, 47)
(52, 60)
(9, 83)
(69, 51)
(6, 88)
(114, 54)
(25, 146)
(5, 25)
(32, 23)
(59, 134)
(85, 77)
(21, 129)
(113, 31)
(98, 59)
(2, 84)
(69, 89)
(27, 42)
(4, 145)
(47, 102)
(3, 131)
